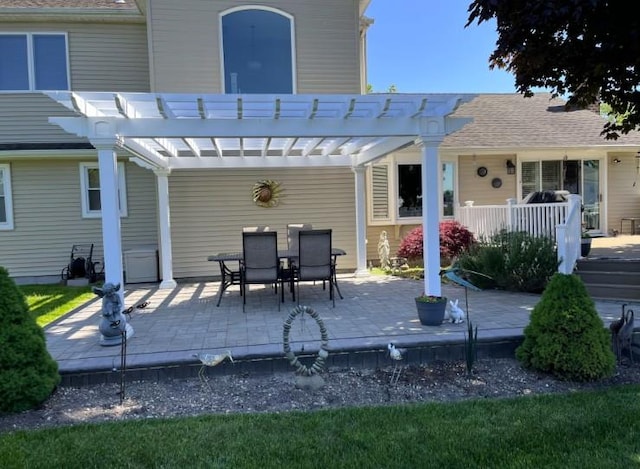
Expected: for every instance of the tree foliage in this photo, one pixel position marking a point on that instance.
(587, 50)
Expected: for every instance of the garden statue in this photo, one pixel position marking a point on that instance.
(113, 324)
(383, 250)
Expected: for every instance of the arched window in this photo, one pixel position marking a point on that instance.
(257, 51)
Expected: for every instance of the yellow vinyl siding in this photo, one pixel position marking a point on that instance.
(209, 209)
(48, 217)
(102, 57)
(623, 182)
(479, 189)
(24, 119)
(326, 40)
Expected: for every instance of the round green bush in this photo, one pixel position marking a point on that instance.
(565, 336)
(28, 374)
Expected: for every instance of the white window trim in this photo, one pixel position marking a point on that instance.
(30, 64)
(392, 162)
(6, 180)
(84, 191)
(291, 19)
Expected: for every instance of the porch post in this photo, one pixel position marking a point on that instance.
(110, 209)
(431, 213)
(164, 219)
(361, 222)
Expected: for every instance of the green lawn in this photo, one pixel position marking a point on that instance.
(49, 302)
(581, 430)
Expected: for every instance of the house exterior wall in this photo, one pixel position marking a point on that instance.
(209, 209)
(185, 44)
(623, 182)
(101, 57)
(473, 187)
(48, 216)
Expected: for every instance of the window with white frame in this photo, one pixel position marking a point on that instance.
(257, 51)
(396, 192)
(33, 61)
(6, 206)
(90, 187)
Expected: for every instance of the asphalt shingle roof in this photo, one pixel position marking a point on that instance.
(71, 4)
(511, 120)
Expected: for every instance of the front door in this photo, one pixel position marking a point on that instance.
(580, 177)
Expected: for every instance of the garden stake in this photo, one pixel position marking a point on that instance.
(123, 363)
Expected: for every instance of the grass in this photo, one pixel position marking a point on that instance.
(50, 302)
(582, 430)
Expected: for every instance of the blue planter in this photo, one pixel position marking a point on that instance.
(431, 314)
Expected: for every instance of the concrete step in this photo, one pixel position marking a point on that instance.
(614, 292)
(609, 278)
(608, 265)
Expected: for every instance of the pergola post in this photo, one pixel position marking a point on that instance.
(361, 222)
(164, 220)
(431, 213)
(110, 211)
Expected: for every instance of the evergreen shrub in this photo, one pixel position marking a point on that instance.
(565, 336)
(28, 374)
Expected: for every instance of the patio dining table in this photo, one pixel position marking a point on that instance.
(229, 275)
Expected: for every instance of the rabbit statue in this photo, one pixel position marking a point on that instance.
(456, 313)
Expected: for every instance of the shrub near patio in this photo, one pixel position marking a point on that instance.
(28, 374)
(514, 261)
(454, 239)
(566, 337)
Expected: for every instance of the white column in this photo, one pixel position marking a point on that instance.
(164, 219)
(431, 214)
(361, 222)
(110, 208)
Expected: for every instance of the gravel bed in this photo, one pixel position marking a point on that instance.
(243, 393)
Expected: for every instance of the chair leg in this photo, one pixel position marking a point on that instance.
(243, 293)
(331, 293)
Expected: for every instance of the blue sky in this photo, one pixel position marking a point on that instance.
(423, 46)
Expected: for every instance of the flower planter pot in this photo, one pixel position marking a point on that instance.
(431, 314)
(585, 246)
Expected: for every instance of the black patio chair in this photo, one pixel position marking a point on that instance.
(260, 263)
(315, 261)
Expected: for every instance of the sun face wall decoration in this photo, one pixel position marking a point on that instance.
(266, 193)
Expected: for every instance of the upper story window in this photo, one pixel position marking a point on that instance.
(30, 61)
(6, 208)
(90, 186)
(257, 50)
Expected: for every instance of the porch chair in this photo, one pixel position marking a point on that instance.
(260, 263)
(81, 264)
(315, 261)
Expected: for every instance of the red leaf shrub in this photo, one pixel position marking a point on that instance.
(454, 238)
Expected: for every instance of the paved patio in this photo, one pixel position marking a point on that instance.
(375, 310)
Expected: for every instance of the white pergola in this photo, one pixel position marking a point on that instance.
(168, 132)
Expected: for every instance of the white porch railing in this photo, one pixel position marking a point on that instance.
(551, 220)
(568, 236)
